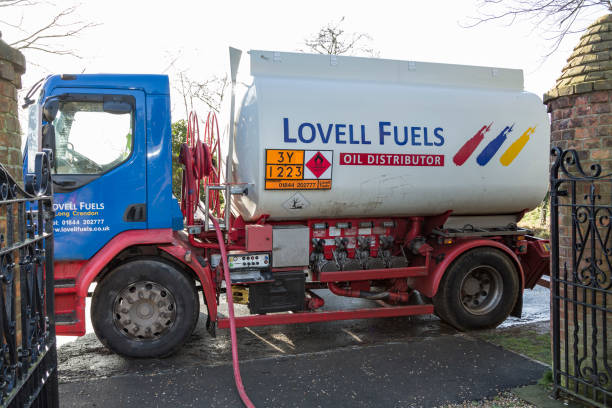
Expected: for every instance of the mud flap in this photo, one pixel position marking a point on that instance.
(211, 326)
(518, 307)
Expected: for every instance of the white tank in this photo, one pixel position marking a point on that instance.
(323, 136)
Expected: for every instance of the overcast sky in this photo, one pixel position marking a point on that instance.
(147, 36)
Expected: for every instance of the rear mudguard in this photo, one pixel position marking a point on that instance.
(444, 256)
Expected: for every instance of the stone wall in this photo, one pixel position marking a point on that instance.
(12, 66)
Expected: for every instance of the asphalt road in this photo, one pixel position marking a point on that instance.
(409, 361)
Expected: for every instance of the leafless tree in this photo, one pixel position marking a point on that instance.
(555, 18)
(334, 40)
(210, 91)
(48, 38)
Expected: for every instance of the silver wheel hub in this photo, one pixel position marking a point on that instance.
(144, 310)
(481, 289)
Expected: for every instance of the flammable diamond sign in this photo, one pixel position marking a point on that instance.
(318, 164)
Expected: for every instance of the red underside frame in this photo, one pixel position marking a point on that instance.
(310, 317)
(371, 274)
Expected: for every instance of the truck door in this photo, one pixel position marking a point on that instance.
(99, 174)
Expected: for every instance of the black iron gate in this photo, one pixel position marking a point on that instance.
(581, 274)
(28, 360)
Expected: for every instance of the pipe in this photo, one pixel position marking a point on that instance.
(415, 229)
(393, 297)
(234, 63)
(230, 306)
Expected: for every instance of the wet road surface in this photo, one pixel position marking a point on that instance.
(426, 372)
(406, 361)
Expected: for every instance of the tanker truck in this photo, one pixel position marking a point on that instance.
(397, 182)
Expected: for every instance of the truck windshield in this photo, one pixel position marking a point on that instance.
(90, 140)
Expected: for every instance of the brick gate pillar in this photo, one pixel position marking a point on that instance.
(12, 66)
(580, 106)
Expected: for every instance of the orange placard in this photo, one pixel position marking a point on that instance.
(324, 184)
(292, 185)
(298, 184)
(284, 172)
(284, 156)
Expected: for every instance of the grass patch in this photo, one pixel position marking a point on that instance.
(521, 340)
(547, 380)
(532, 221)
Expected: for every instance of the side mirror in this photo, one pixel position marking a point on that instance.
(50, 110)
(48, 142)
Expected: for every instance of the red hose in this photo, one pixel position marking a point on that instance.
(211, 139)
(196, 157)
(197, 160)
(230, 306)
(392, 297)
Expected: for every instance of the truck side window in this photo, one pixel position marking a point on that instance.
(90, 139)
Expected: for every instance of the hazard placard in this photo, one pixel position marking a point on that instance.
(318, 164)
(298, 169)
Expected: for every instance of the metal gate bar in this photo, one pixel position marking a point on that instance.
(28, 357)
(581, 295)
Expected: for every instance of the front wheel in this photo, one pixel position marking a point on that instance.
(478, 291)
(144, 308)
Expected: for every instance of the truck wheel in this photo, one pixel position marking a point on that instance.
(478, 291)
(144, 308)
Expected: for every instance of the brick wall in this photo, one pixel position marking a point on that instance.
(12, 66)
(584, 122)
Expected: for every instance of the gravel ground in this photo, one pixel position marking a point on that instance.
(503, 400)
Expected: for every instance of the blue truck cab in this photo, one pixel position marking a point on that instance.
(112, 156)
(111, 139)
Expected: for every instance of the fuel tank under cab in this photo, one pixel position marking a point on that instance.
(322, 136)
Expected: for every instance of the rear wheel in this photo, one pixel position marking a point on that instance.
(144, 308)
(478, 291)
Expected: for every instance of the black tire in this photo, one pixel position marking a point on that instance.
(162, 314)
(478, 291)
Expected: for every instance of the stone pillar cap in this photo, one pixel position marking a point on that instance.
(589, 67)
(12, 55)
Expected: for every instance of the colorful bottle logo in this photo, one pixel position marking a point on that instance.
(516, 147)
(489, 151)
(468, 148)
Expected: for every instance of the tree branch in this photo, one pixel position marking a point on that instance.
(333, 40)
(549, 16)
(58, 27)
(10, 3)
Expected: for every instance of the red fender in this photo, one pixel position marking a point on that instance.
(165, 240)
(125, 239)
(204, 273)
(74, 298)
(161, 237)
(429, 284)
